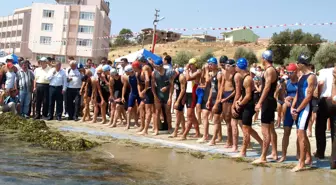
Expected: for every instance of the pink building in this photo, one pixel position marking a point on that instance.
(69, 28)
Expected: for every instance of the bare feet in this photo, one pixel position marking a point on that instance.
(234, 149)
(282, 159)
(202, 140)
(173, 135)
(113, 126)
(239, 155)
(155, 134)
(103, 122)
(180, 133)
(259, 161)
(218, 140)
(212, 143)
(227, 146)
(297, 168)
(182, 138)
(94, 121)
(308, 162)
(127, 127)
(140, 129)
(196, 136)
(142, 133)
(274, 157)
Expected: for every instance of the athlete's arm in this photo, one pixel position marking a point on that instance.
(125, 83)
(183, 83)
(111, 88)
(248, 83)
(147, 78)
(310, 91)
(268, 82)
(219, 93)
(277, 92)
(193, 76)
(153, 86)
(238, 82)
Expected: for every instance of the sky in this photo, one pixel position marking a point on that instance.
(138, 14)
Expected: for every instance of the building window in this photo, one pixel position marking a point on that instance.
(87, 16)
(48, 13)
(18, 33)
(84, 42)
(18, 45)
(82, 60)
(64, 42)
(20, 21)
(38, 56)
(45, 40)
(65, 28)
(13, 33)
(66, 15)
(47, 27)
(85, 29)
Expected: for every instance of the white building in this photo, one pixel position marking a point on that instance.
(70, 28)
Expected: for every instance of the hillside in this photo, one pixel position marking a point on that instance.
(194, 46)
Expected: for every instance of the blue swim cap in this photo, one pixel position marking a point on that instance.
(80, 66)
(180, 69)
(106, 68)
(242, 63)
(212, 60)
(158, 62)
(268, 55)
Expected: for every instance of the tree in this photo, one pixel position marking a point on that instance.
(204, 57)
(325, 55)
(123, 37)
(289, 37)
(295, 52)
(242, 52)
(182, 58)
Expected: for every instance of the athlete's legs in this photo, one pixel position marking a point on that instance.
(142, 112)
(198, 113)
(190, 119)
(205, 118)
(227, 118)
(169, 116)
(217, 124)
(235, 134)
(274, 139)
(285, 142)
(279, 115)
(266, 132)
(156, 117)
(117, 114)
(95, 113)
(304, 147)
(246, 140)
(149, 110)
(112, 113)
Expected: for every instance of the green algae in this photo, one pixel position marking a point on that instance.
(37, 132)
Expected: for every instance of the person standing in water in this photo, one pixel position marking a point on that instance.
(267, 103)
(301, 110)
(162, 85)
(291, 89)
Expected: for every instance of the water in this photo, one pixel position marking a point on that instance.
(22, 163)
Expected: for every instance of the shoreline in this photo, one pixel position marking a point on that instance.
(103, 134)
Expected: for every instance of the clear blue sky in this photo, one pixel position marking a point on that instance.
(137, 14)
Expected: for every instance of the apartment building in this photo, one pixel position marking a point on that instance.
(14, 32)
(76, 28)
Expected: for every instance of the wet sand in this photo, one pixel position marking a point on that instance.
(102, 133)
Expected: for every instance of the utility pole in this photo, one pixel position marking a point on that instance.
(155, 22)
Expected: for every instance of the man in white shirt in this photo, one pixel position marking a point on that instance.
(41, 87)
(326, 110)
(57, 87)
(124, 63)
(89, 65)
(74, 79)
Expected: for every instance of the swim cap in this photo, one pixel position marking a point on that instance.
(142, 58)
(230, 62)
(106, 68)
(136, 64)
(223, 59)
(192, 61)
(303, 59)
(291, 67)
(128, 68)
(268, 55)
(242, 63)
(180, 70)
(80, 66)
(113, 71)
(158, 62)
(212, 60)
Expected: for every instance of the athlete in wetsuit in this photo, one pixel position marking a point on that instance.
(302, 109)
(163, 88)
(214, 101)
(146, 94)
(244, 106)
(102, 98)
(267, 103)
(291, 89)
(180, 87)
(228, 95)
(133, 96)
(193, 76)
(116, 87)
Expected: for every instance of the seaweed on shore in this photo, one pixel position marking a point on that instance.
(37, 132)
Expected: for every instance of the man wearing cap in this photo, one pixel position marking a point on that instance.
(268, 104)
(193, 76)
(74, 84)
(291, 89)
(8, 74)
(301, 110)
(41, 87)
(25, 84)
(162, 87)
(230, 79)
(57, 87)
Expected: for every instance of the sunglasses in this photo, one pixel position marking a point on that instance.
(289, 73)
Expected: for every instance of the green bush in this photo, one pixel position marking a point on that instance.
(204, 57)
(325, 55)
(182, 58)
(282, 52)
(295, 52)
(242, 52)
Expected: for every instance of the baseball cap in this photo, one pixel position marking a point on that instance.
(43, 59)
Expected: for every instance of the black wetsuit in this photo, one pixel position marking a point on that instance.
(177, 85)
(269, 105)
